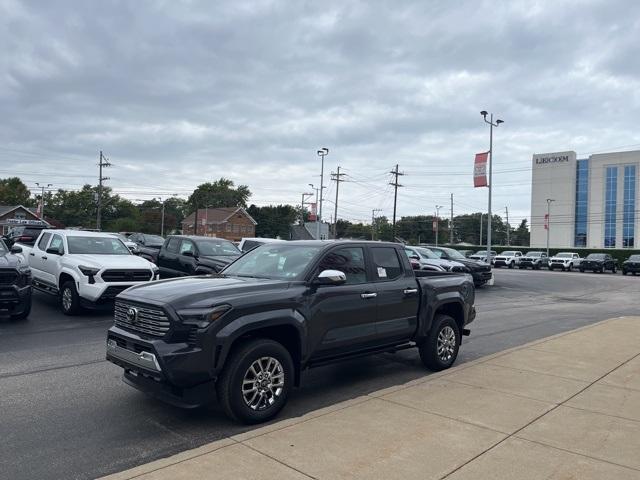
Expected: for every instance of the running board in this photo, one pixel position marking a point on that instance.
(361, 353)
(45, 288)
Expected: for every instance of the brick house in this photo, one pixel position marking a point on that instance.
(17, 215)
(230, 223)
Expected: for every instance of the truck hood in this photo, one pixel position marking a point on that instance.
(9, 260)
(473, 265)
(218, 261)
(199, 292)
(108, 261)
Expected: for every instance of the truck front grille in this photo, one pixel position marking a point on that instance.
(126, 275)
(8, 277)
(149, 320)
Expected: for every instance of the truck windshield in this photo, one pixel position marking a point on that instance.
(426, 253)
(564, 255)
(153, 240)
(3, 248)
(217, 248)
(271, 261)
(97, 246)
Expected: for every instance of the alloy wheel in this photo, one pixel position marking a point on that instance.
(446, 344)
(67, 299)
(263, 383)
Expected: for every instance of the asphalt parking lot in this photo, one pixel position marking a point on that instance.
(66, 414)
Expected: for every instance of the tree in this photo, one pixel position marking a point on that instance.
(218, 194)
(274, 221)
(520, 235)
(14, 192)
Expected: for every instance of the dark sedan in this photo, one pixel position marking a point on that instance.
(631, 265)
(480, 271)
(599, 263)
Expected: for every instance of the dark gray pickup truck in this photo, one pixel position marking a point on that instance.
(249, 332)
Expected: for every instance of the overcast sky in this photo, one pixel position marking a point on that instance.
(178, 93)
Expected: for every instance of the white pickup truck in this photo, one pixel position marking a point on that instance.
(84, 269)
(510, 258)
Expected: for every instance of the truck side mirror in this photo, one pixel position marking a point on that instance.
(331, 277)
(54, 251)
(188, 253)
(16, 249)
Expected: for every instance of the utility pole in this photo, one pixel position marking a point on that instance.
(438, 207)
(373, 222)
(336, 178)
(162, 220)
(491, 125)
(506, 211)
(451, 223)
(395, 199)
(549, 200)
(104, 163)
(323, 152)
(42, 187)
(481, 228)
(304, 202)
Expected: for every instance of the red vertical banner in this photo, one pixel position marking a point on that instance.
(313, 216)
(480, 170)
(546, 221)
(435, 224)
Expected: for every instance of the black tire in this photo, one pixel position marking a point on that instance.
(512, 264)
(624, 272)
(429, 347)
(71, 307)
(521, 267)
(229, 385)
(614, 269)
(581, 270)
(569, 268)
(550, 268)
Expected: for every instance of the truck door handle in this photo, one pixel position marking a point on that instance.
(368, 295)
(44, 258)
(410, 291)
(32, 254)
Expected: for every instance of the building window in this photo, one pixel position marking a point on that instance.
(582, 203)
(629, 206)
(610, 204)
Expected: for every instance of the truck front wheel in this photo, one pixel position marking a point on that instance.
(440, 349)
(256, 381)
(69, 299)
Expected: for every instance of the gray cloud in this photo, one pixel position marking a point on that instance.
(177, 93)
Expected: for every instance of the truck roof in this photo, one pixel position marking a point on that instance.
(77, 233)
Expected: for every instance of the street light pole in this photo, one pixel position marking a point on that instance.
(438, 207)
(491, 125)
(324, 151)
(549, 200)
(42, 198)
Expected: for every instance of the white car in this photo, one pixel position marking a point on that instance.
(425, 257)
(509, 258)
(84, 268)
(564, 261)
(132, 246)
(247, 244)
(482, 256)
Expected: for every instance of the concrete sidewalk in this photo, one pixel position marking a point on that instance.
(566, 407)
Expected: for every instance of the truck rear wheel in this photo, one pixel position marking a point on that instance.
(69, 299)
(256, 381)
(440, 349)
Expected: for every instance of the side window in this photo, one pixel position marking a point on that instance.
(386, 263)
(187, 246)
(57, 243)
(172, 246)
(350, 261)
(42, 244)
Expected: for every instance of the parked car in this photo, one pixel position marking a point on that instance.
(482, 256)
(182, 255)
(148, 245)
(426, 257)
(534, 260)
(25, 234)
(15, 283)
(480, 271)
(510, 258)
(84, 269)
(564, 261)
(599, 262)
(466, 253)
(247, 244)
(631, 265)
(279, 309)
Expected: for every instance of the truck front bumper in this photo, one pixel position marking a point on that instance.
(14, 300)
(175, 373)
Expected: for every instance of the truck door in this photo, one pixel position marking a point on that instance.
(398, 295)
(343, 317)
(168, 258)
(186, 264)
(51, 264)
(37, 257)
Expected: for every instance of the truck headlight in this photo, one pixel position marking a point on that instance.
(202, 317)
(89, 272)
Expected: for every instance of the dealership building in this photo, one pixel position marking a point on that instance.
(590, 202)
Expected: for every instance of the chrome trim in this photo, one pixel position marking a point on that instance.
(143, 359)
(146, 320)
(368, 295)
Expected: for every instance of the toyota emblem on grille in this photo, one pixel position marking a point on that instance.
(132, 315)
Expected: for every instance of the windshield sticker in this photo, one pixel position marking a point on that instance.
(382, 273)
